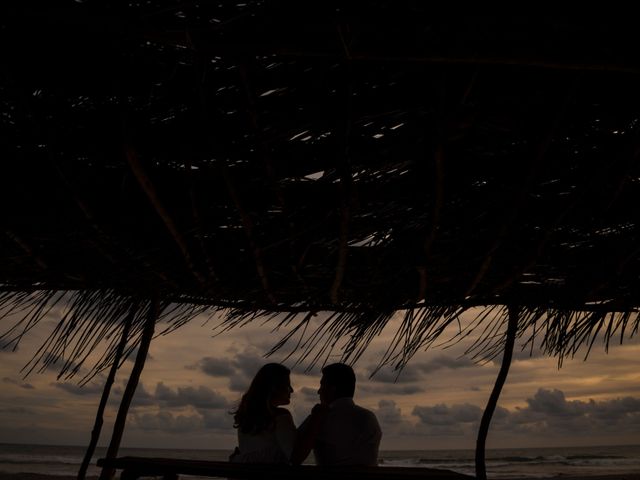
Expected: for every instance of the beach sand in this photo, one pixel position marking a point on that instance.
(37, 476)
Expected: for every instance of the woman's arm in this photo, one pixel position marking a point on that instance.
(285, 431)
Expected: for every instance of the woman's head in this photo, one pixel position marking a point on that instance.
(270, 388)
(271, 385)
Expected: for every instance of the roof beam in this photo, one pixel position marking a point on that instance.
(149, 189)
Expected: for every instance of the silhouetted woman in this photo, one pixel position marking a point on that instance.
(266, 432)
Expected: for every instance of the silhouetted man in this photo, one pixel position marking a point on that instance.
(346, 434)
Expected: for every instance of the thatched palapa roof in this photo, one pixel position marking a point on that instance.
(270, 157)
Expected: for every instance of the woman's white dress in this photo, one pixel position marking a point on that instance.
(269, 446)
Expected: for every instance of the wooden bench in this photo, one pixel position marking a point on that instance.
(168, 468)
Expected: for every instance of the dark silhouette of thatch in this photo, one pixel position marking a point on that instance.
(287, 158)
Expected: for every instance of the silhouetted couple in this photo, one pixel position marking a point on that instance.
(338, 431)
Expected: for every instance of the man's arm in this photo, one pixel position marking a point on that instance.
(371, 439)
(307, 433)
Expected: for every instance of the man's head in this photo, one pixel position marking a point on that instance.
(338, 381)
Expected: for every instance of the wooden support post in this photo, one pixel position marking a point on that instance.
(512, 329)
(143, 350)
(97, 426)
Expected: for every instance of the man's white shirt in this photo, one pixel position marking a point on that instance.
(349, 435)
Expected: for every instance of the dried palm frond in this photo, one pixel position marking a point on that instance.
(86, 335)
(88, 328)
(558, 333)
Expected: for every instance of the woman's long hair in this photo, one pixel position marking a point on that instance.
(255, 412)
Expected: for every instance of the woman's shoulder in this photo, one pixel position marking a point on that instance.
(283, 419)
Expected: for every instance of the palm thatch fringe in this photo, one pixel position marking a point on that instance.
(92, 322)
(89, 324)
(557, 332)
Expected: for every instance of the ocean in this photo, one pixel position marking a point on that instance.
(502, 463)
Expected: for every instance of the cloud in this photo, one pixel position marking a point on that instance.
(309, 394)
(417, 371)
(133, 354)
(142, 397)
(216, 367)
(442, 414)
(75, 389)
(239, 383)
(453, 420)
(391, 389)
(553, 403)
(410, 373)
(520, 354)
(548, 413)
(443, 361)
(240, 368)
(26, 386)
(55, 362)
(248, 362)
(165, 421)
(619, 409)
(217, 419)
(388, 413)
(200, 397)
(313, 372)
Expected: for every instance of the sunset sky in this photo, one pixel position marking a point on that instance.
(193, 379)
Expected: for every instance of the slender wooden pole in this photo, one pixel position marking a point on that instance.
(97, 426)
(512, 328)
(127, 396)
(346, 181)
(152, 194)
(249, 230)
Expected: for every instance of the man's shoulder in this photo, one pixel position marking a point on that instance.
(346, 412)
(362, 409)
(364, 414)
